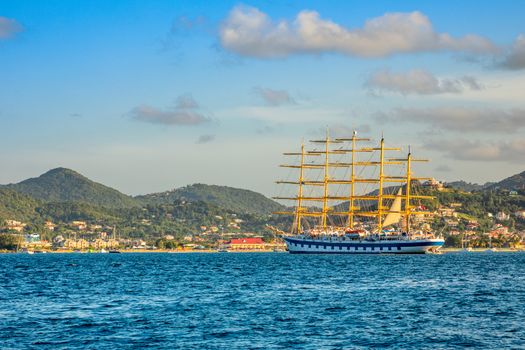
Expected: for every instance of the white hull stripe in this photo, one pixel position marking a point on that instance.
(352, 247)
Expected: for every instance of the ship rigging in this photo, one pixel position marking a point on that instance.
(374, 222)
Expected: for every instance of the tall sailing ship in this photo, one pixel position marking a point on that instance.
(381, 221)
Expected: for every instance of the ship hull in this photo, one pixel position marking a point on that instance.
(313, 246)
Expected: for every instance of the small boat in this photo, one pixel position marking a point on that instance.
(26, 251)
(464, 246)
(114, 251)
(435, 252)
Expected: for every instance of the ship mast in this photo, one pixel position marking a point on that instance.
(353, 179)
(326, 179)
(380, 193)
(352, 186)
(301, 212)
(381, 210)
(408, 195)
(407, 192)
(300, 193)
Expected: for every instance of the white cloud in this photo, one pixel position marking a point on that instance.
(418, 81)
(8, 28)
(185, 112)
(274, 97)
(515, 58)
(461, 119)
(250, 32)
(460, 149)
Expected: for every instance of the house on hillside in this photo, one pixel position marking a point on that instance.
(472, 225)
(79, 225)
(502, 216)
(520, 214)
(50, 225)
(15, 225)
(447, 212)
(433, 183)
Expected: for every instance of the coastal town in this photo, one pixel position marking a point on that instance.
(81, 236)
(461, 230)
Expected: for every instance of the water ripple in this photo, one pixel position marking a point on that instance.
(261, 301)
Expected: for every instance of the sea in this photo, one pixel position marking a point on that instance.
(262, 301)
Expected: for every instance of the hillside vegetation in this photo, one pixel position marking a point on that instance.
(65, 185)
(17, 206)
(63, 196)
(235, 199)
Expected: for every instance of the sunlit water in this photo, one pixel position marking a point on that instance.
(262, 301)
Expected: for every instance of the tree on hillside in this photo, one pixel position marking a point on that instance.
(10, 241)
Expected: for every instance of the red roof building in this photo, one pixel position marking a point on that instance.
(247, 243)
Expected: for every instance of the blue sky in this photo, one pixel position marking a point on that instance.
(150, 95)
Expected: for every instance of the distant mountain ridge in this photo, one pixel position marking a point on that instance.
(514, 182)
(235, 199)
(63, 185)
(468, 186)
(66, 185)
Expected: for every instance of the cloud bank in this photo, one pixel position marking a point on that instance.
(8, 28)
(418, 81)
(515, 58)
(250, 32)
(506, 151)
(460, 119)
(185, 112)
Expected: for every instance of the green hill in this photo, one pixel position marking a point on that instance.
(512, 183)
(515, 182)
(16, 206)
(65, 185)
(235, 199)
(468, 186)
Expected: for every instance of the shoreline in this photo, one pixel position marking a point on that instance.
(210, 251)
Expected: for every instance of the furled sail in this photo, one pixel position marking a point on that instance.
(394, 215)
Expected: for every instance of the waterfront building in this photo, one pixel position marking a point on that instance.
(251, 243)
(32, 238)
(76, 244)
